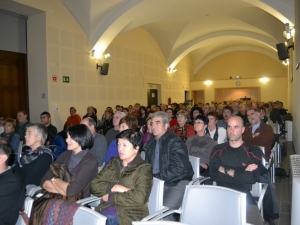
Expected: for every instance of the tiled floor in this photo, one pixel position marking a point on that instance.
(282, 188)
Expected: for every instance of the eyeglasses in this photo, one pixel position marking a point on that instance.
(198, 122)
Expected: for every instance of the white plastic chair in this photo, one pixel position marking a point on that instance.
(85, 215)
(195, 161)
(27, 209)
(199, 201)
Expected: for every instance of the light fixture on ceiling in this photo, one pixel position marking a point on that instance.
(208, 82)
(289, 31)
(286, 62)
(107, 55)
(264, 79)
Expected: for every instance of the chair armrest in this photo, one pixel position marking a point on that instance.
(154, 215)
(198, 180)
(88, 200)
(262, 195)
(167, 213)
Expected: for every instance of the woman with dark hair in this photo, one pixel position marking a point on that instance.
(183, 129)
(172, 120)
(124, 183)
(126, 122)
(80, 163)
(201, 145)
(142, 116)
(195, 111)
(108, 121)
(35, 161)
(217, 133)
(147, 132)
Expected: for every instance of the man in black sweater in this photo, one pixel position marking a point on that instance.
(52, 131)
(12, 191)
(238, 165)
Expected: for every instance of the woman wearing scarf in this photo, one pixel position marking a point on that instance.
(183, 129)
(35, 161)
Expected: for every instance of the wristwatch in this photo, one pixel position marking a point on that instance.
(226, 170)
(52, 179)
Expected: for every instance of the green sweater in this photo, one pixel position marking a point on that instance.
(130, 205)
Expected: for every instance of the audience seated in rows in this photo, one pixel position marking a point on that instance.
(12, 190)
(36, 160)
(170, 161)
(126, 122)
(125, 182)
(12, 138)
(21, 126)
(201, 145)
(183, 129)
(51, 130)
(73, 119)
(99, 141)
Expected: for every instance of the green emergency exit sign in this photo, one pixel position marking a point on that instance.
(66, 79)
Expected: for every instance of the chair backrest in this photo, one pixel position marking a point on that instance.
(156, 196)
(20, 150)
(213, 205)
(27, 209)
(276, 128)
(143, 155)
(85, 215)
(195, 161)
(157, 223)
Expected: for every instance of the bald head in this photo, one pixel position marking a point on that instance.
(235, 130)
(90, 123)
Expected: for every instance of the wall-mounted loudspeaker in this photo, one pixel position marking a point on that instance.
(283, 52)
(103, 68)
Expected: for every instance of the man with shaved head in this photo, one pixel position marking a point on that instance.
(237, 165)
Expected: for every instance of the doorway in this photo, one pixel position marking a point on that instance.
(198, 96)
(152, 97)
(13, 83)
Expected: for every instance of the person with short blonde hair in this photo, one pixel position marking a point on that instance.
(182, 128)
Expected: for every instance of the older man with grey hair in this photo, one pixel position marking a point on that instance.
(113, 132)
(170, 161)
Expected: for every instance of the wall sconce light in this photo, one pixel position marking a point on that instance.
(264, 80)
(208, 82)
(170, 70)
(286, 62)
(289, 31)
(106, 55)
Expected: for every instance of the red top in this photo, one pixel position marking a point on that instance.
(189, 132)
(73, 120)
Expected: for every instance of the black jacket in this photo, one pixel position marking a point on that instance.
(174, 164)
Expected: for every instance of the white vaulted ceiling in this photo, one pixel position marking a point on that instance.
(202, 29)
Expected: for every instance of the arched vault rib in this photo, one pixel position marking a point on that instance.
(234, 49)
(199, 42)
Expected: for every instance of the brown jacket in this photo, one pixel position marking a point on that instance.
(263, 136)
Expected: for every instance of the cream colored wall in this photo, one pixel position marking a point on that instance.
(275, 89)
(136, 60)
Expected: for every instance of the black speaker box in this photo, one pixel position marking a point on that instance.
(104, 69)
(282, 50)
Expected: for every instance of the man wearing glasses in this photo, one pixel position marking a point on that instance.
(170, 161)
